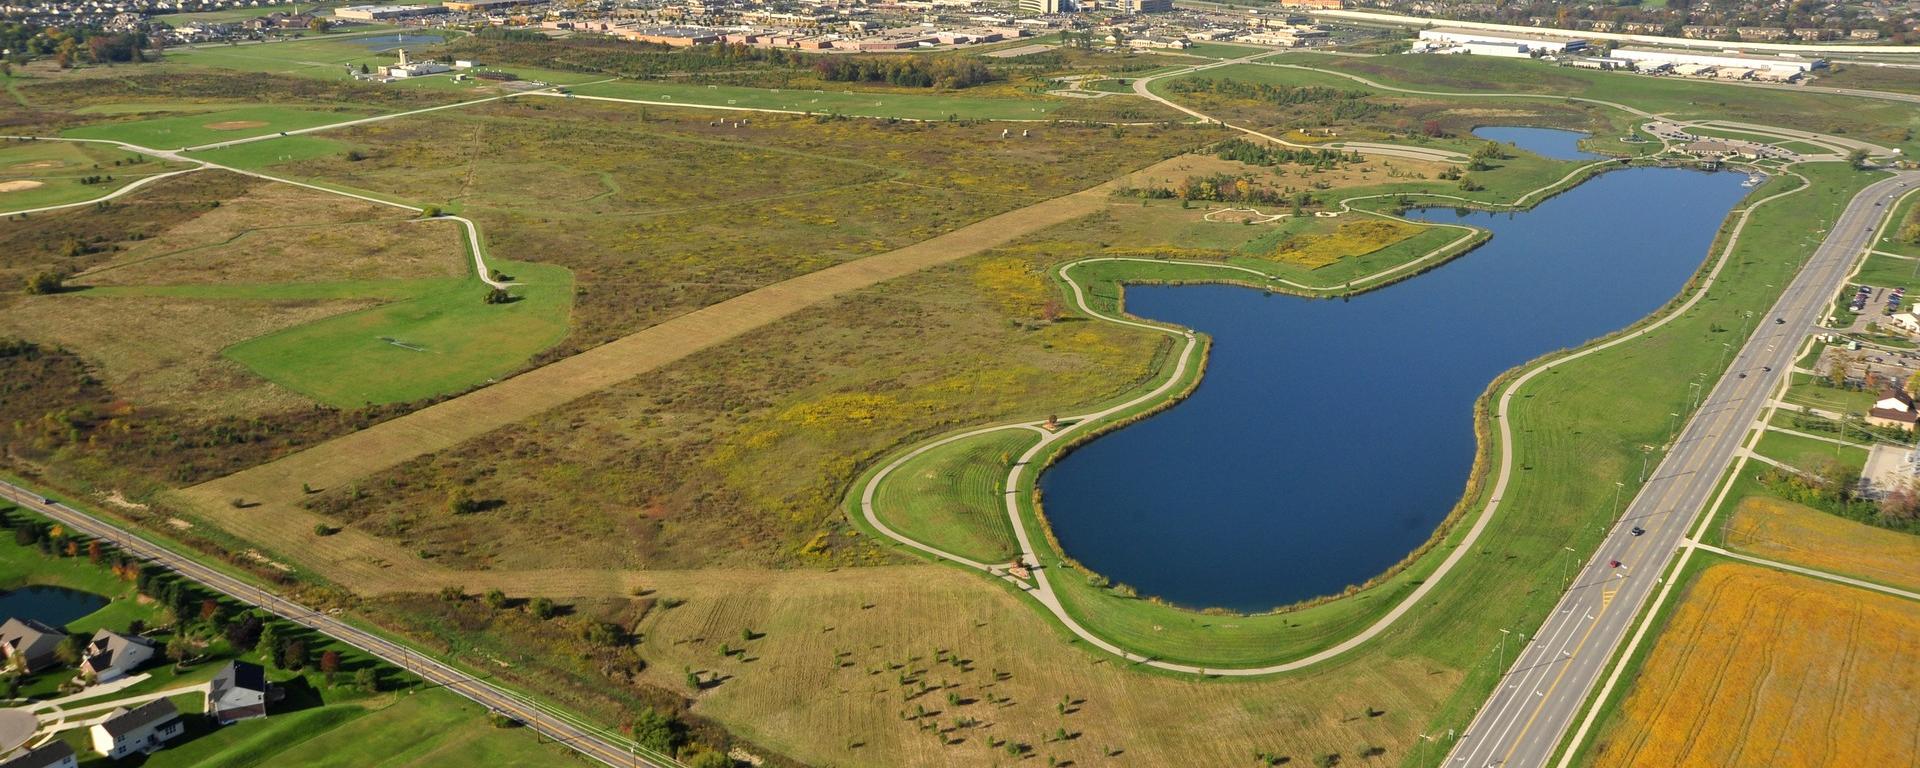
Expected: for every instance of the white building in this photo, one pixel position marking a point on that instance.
(1451, 37)
(111, 655)
(408, 68)
(144, 728)
(1685, 61)
(385, 12)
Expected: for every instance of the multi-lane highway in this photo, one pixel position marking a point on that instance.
(1554, 669)
(575, 733)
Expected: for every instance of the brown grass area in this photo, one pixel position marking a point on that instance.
(1798, 534)
(236, 125)
(280, 233)
(165, 352)
(1764, 668)
(1288, 177)
(20, 185)
(367, 563)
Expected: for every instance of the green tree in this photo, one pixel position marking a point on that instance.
(178, 649)
(294, 656)
(1858, 159)
(496, 599)
(269, 643)
(367, 680)
(542, 608)
(658, 731)
(46, 283)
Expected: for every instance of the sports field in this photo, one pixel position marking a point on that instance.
(41, 173)
(210, 127)
(1763, 668)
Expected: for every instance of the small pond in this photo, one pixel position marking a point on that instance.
(398, 40)
(52, 606)
(1545, 142)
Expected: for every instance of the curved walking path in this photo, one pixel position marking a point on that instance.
(1042, 590)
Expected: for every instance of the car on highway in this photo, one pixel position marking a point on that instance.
(1637, 530)
(1613, 563)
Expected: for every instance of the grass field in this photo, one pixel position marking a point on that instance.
(210, 127)
(1762, 668)
(1794, 533)
(948, 498)
(1807, 453)
(1897, 238)
(912, 106)
(41, 173)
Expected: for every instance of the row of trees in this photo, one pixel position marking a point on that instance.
(1219, 188)
(906, 71)
(1263, 154)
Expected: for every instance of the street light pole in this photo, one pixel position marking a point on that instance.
(1503, 653)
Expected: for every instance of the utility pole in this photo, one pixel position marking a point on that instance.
(1503, 653)
(1566, 573)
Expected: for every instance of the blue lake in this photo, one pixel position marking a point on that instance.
(53, 606)
(398, 40)
(1545, 142)
(1329, 438)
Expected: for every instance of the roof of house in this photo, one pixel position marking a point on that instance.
(124, 721)
(29, 636)
(43, 756)
(1897, 395)
(108, 645)
(238, 676)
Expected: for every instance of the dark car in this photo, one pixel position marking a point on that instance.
(1613, 563)
(1637, 530)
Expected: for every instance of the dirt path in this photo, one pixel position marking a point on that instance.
(268, 511)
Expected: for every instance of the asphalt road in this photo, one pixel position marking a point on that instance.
(573, 732)
(1554, 669)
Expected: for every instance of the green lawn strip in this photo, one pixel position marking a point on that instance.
(1807, 453)
(901, 105)
(1225, 50)
(388, 289)
(191, 130)
(952, 497)
(259, 155)
(1886, 272)
(1894, 239)
(1609, 709)
(1804, 392)
(1786, 418)
(445, 338)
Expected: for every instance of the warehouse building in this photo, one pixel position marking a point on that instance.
(1497, 43)
(1683, 62)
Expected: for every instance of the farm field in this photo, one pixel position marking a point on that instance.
(34, 174)
(1763, 668)
(1794, 533)
(210, 127)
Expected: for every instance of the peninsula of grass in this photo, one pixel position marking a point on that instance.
(191, 130)
(953, 497)
(1580, 431)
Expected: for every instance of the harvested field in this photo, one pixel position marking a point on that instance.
(20, 185)
(1793, 533)
(1763, 668)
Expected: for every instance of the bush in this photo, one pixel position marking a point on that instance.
(46, 283)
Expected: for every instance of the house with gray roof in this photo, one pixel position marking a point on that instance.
(29, 645)
(54, 754)
(143, 729)
(237, 692)
(111, 655)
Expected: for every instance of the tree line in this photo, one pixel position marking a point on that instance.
(1340, 104)
(1248, 152)
(906, 71)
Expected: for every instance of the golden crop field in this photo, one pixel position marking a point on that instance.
(1789, 532)
(1764, 668)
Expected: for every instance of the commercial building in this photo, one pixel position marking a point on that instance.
(483, 6)
(1659, 58)
(1045, 7)
(386, 12)
(1526, 44)
(1146, 6)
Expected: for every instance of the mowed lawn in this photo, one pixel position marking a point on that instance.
(444, 339)
(1799, 534)
(426, 728)
(41, 173)
(1763, 668)
(914, 106)
(1809, 454)
(951, 497)
(210, 127)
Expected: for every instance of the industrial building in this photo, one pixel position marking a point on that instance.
(386, 12)
(483, 6)
(1146, 6)
(1514, 44)
(1685, 62)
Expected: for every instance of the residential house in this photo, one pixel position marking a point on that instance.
(143, 729)
(1894, 409)
(238, 692)
(111, 655)
(54, 754)
(29, 645)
